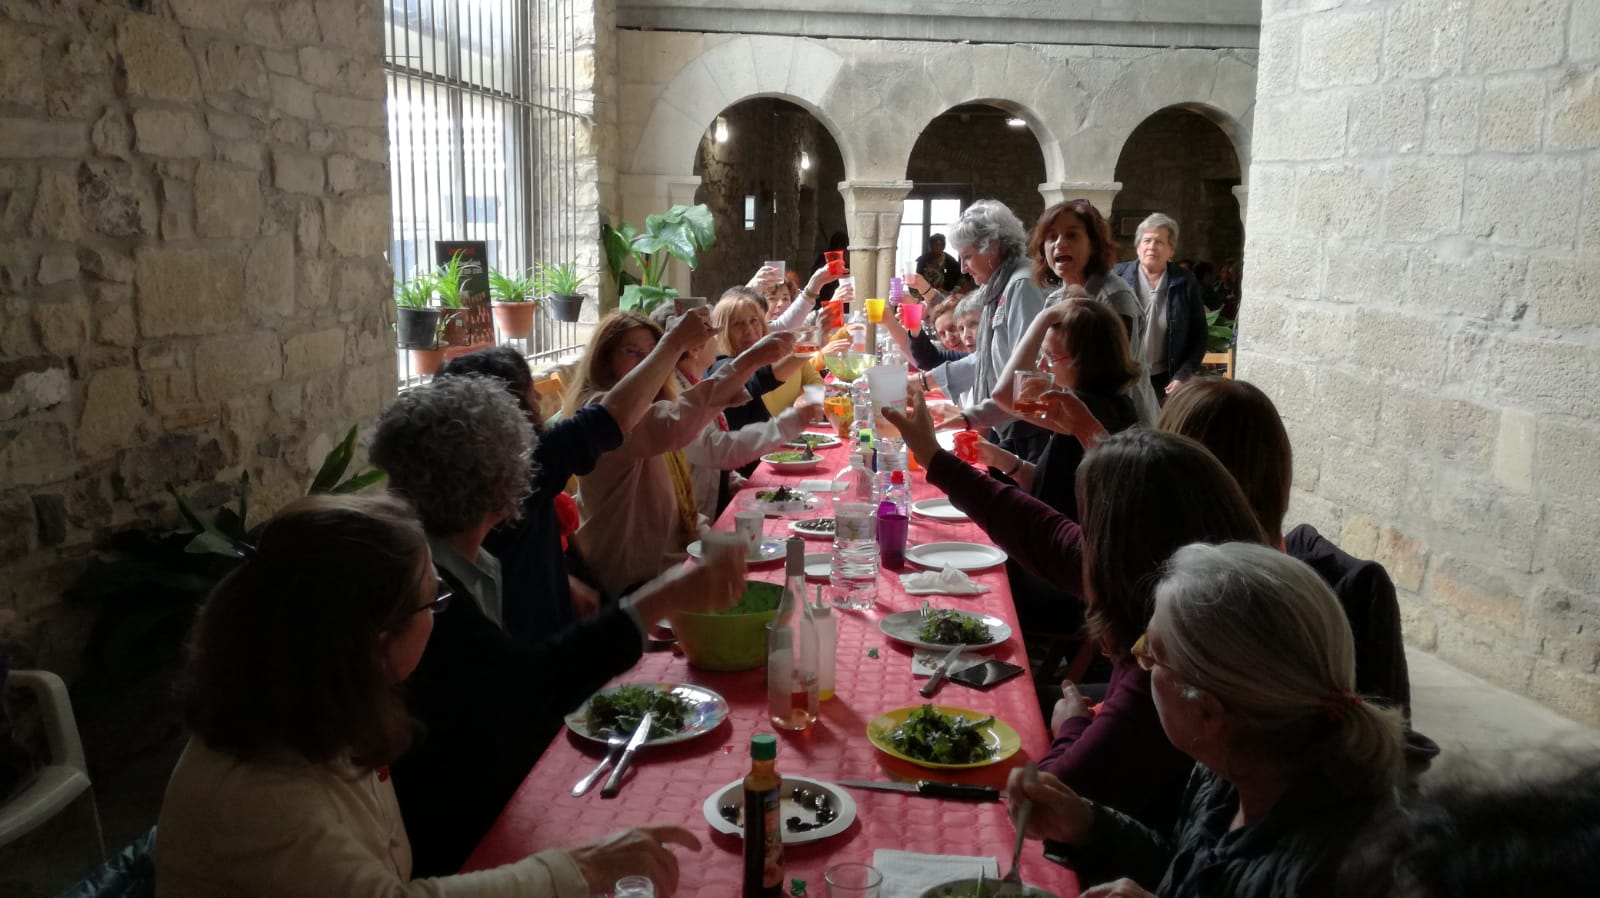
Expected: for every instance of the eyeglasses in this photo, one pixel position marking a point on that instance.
(1046, 360)
(634, 352)
(441, 599)
(1141, 653)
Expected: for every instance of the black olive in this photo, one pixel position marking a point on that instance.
(730, 813)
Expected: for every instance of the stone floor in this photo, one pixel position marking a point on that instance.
(1465, 715)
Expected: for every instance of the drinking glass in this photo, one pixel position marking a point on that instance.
(875, 310)
(911, 315)
(835, 261)
(1028, 391)
(748, 525)
(853, 881)
(889, 386)
(779, 266)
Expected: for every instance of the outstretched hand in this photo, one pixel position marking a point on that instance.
(916, 428)
(640, 851)
(1065, 413)
(1121, 888)
(689, 330)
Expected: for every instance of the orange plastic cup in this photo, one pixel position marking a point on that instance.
(967, 446)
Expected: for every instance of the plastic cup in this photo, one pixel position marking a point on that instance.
(721, 541)
(853, 881)
(875, 310)
(835, 262)
(814, 393)
(748, 524)
(781, 267)
(892, 529)
(967, 446)
(911, 315)
(1028, 391)
(888, 386)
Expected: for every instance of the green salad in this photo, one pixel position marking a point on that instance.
(928, 735)
(789, 456)
(947, 627)
(618, 713)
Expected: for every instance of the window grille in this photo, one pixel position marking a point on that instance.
(487, 122)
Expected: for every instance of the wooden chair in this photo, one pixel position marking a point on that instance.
(1224, 359)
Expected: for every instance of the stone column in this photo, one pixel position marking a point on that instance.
(1241, 192)
(1098, 193)
(872, 211)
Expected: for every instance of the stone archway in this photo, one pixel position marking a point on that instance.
(1179, 162)
(766, 204)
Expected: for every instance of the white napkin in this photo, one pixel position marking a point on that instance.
(925, 661)
(817, 486)
(949, 581)
(907, 874)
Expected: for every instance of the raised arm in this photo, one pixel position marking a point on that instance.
(1024, 355)
(633, 395)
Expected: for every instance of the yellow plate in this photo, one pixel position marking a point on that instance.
(1002, 739)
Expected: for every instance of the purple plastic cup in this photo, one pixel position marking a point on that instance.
(892, 530)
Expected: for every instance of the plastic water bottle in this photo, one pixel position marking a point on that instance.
(853, 483)
(893, 487)
(853, 577)
(861, 399)
(827, 646)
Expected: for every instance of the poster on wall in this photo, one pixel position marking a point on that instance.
(474, 326)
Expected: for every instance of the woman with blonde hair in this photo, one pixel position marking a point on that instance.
(1253, 673)
(638, 504)
(741, 323)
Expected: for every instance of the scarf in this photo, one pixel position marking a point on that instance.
(683, 488)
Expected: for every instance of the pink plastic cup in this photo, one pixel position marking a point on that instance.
(911, 315)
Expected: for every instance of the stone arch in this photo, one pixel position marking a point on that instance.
(1181, 161)
(1049, 144)
(743, 68)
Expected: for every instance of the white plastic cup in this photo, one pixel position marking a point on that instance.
(748, 524)
(888, 385)
(815, 393)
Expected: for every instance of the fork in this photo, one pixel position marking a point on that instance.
(1029, 773)
(615, 744)
(927, 610)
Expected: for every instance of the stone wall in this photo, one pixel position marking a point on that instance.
(1179, 163)
(193, 216)
(1424, 232)
(985, 157)
(796, 210)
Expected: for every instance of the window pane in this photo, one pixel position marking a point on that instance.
(912, 212)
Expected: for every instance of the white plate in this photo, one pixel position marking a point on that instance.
(902, 627)
(800, 501)
(771, 550)
(947, 439)
(822, 440)
(939, 509)
(819, 565)
(733, 793)
(992, 888)
(793, 467)
(708, 709)
(798, 529)
(962, 556)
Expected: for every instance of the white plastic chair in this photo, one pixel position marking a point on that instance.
(65, 779)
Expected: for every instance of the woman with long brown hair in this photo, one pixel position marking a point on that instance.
(293, 697)
(639, 508)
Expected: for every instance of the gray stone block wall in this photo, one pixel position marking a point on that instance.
(1420, 300)
(193, 215)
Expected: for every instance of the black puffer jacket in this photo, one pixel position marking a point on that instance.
(1295, 852)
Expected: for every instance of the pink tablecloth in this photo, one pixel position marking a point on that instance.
(669, 784)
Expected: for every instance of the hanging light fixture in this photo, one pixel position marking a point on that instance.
(805, 161)
(721, 132)
(1016, 122)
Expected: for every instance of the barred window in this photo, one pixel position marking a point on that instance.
(486, 119)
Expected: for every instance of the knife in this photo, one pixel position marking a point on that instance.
(939, 672)
(931, 789)
(614, 782)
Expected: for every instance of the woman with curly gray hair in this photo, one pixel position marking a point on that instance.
(459, 449)
(992, 245)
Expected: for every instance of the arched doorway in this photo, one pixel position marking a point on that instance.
(770, 173)
(971, 152)
(1180, 162)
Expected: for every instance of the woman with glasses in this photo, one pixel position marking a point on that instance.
(1143, 494)
(1252, 673)
(1072, 247)
(293, 695)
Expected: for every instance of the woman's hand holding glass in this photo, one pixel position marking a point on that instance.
(1065, 413)
(1059, 814)
(916, 429)
(690, 330)
(821, 278)
(640, 851)
(993, 456)
(765, 279)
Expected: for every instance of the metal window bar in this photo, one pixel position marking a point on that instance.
(483, 129)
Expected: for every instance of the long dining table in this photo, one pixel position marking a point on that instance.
(873, 675)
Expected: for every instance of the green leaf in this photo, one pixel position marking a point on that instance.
(334, 464)
(210, 542)
(360, 482)
(701, 224)
(186, 511)
(642, 299)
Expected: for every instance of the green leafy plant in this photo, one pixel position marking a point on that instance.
(414, 292)
(682, 232)
(447, 282)
(1220, 332)
(517, 287)
(558, 280)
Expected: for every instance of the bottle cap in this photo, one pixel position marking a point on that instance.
(897, 477)
(764, 747)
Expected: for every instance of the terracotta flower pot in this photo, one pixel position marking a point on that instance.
(565, 308)
(426, 362)
(514, 319)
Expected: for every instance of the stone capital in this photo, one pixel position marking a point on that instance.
(1098, 193)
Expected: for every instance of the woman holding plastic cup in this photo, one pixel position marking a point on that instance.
(794, 313)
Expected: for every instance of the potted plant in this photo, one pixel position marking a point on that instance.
(514, 302)
(682, 232)
(447, 284)
(416, 322)
(561, 284)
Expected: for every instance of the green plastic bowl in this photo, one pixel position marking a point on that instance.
(849, 365)
(730, 640)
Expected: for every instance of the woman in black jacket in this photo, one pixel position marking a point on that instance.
(1252, 670)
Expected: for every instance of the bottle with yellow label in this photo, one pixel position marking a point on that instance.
(763, 821)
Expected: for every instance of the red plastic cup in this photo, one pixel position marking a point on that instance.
(835, 259)
(967, 446)
(833, 314)
(911, 315)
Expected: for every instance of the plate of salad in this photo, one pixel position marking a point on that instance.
(785, 500)
(815, 441)
(682, 712)
(945, 627)
(988, 888)
(943, 737)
